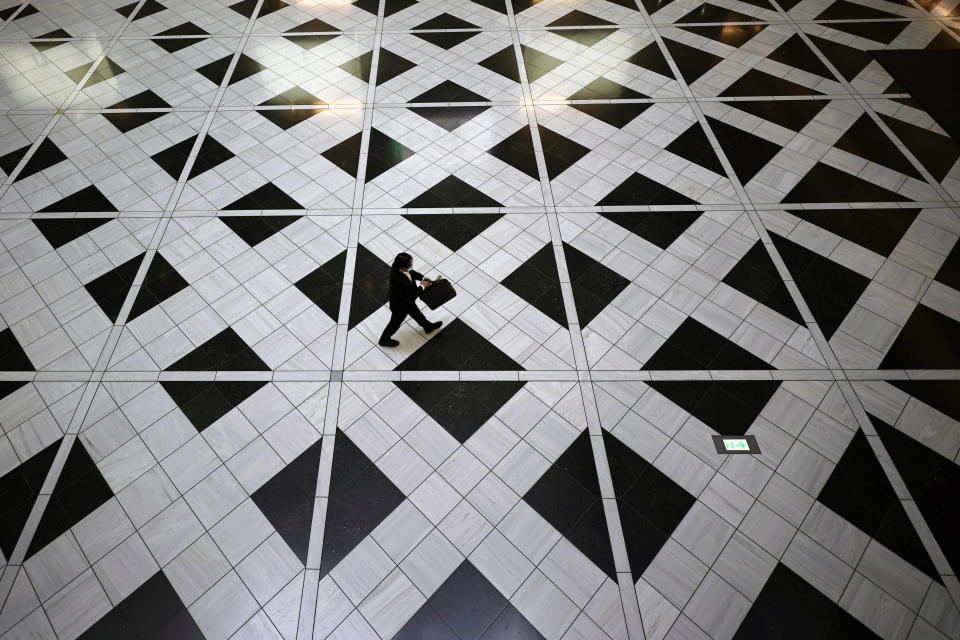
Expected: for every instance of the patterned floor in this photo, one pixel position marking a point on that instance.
(666, 220)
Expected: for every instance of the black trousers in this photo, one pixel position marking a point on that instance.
(398, 316)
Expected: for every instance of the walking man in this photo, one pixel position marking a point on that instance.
(404, 292)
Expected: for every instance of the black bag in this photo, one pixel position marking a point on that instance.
(438, 293)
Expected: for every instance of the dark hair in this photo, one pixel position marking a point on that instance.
(402, 261)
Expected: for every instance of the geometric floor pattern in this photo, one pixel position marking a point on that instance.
(666, 220)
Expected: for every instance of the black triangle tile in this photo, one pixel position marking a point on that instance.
(824, 183)
(728, 407)
(247, 7)
(203, 403)
(460, 407)
(346, 154)
(756, 276)
(452, 192)
(269, 196)
(449, 91)
(172, 45)
(933, 482)
(324, 285)
(568, 497)
(126, 122)
(494, 5)
(308, 42)
(849, 61)
(858, 490)
(944, 41)
(929, 340)
(40, 45)
(185, 29)
(14, 358)
(384, 154)
(639, 189)
(105, 70)
(693, 145)
(217, 70)
(879, 230)
(161, 283)
(937, 153)
(523, 5)
(287, 118)
(794, 52)
(77, 73)
(10, 160)
(651, 505)
(79, 491)
(709, 12)
(370, 6)
(354, 481)
(87, 199)
(651, 59)
(9, 11)
(445, 39)
(616, 115)
(174, 159)
(503, 62)
(110, 289)
(865, 139)
(391, 7)
(19, 489)
(446, 21)
(292, 96)
(792, 114)
(949, 273)
(885, 32)
(225, 351)
(763, 4)
(537, 63)
(594, 284)
(255, 229)
(729, 34)
(45, 156)
(28, 10)
(450, 118)
(466, 605)
(153, 610)
(695, 346)
(360, 66)
(659, 227)
(603, 89)
(760, 83)
(149, 8)
(313, 26)
(454, 230)
(516, 150)
(577, 18)
(287, 499)
(845, 10)
(586, 37)
(788, 607)
(458, 347)
(60, 231)
(537, 282)
(653, 6)
(369, 286)
(942, 395)
(829, 289)
(390, 65)
(747, 153)
(691, 62)
(143, 100)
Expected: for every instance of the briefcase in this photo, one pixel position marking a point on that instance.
(438, 293)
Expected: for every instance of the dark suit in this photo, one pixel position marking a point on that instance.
(404, 292)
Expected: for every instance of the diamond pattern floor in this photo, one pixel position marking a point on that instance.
(666, 221)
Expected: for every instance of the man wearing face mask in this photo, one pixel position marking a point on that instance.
(404, 292)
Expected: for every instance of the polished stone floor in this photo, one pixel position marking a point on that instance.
(666, 220)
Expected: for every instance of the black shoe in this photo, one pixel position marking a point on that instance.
(389, 343)
(433, 326)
